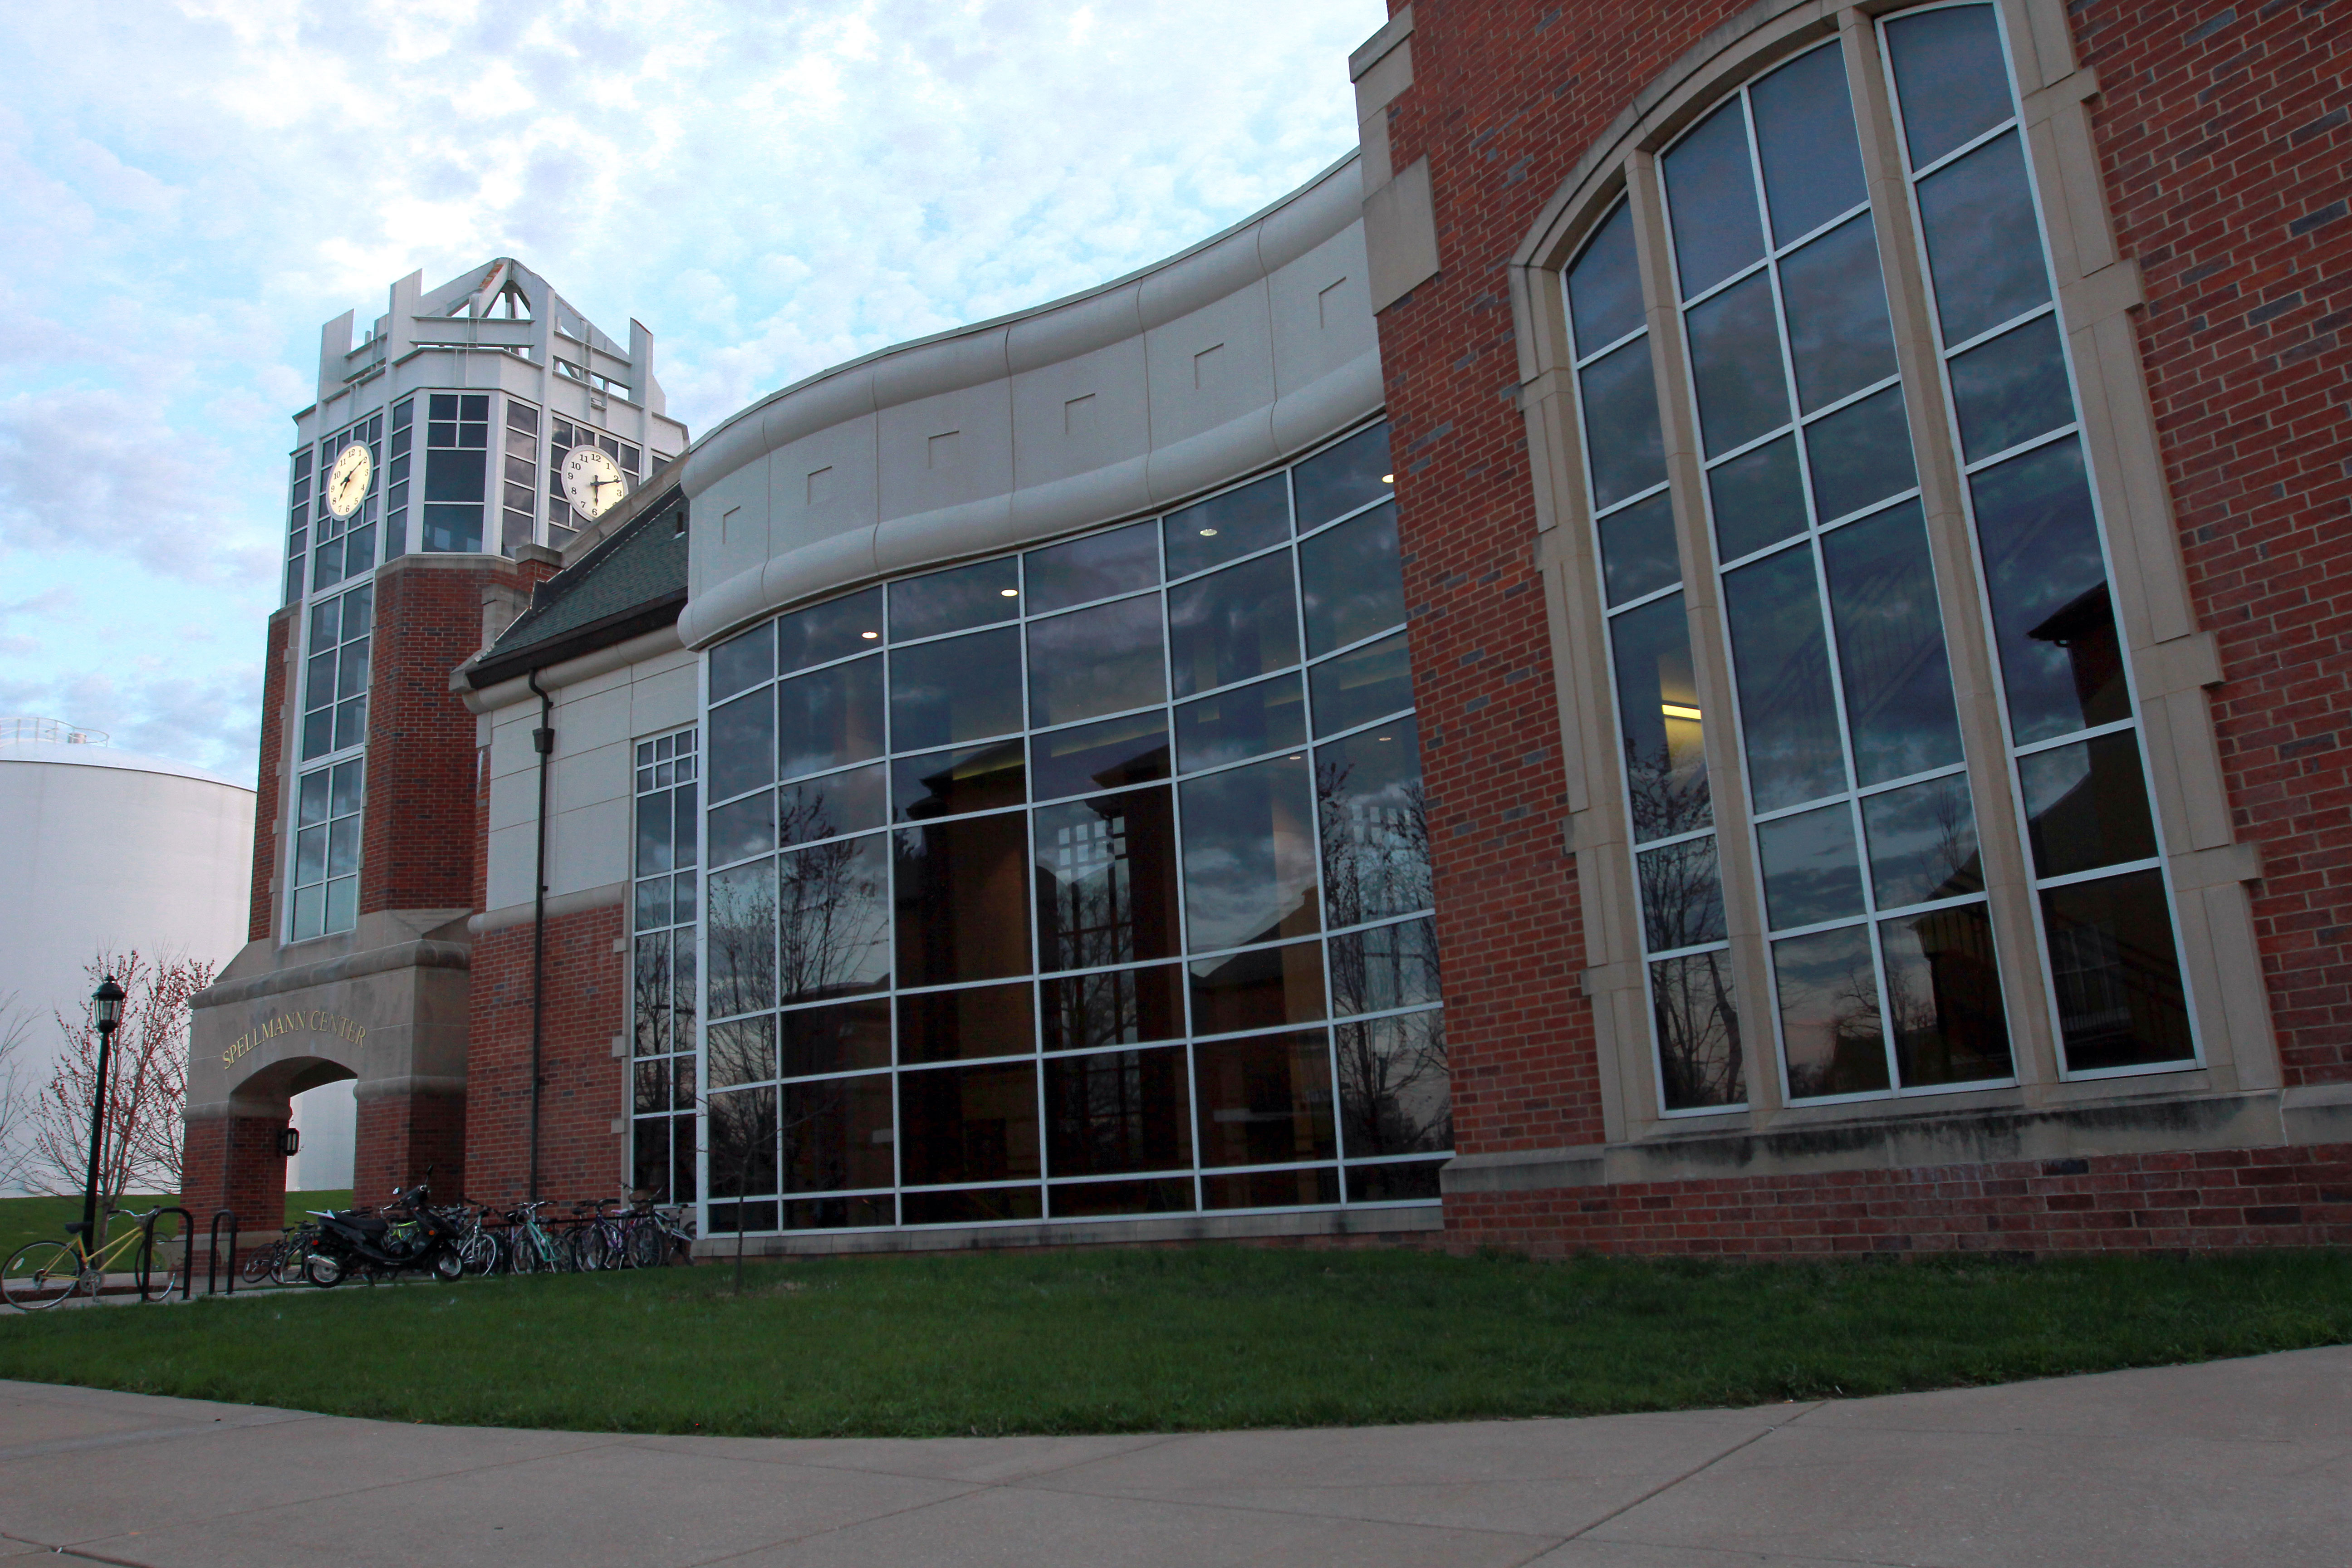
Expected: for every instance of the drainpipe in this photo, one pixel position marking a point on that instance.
(542, 741)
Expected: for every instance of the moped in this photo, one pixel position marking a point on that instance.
(412, 1235)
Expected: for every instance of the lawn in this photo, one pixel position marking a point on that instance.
(44, 1219)
(1125, 1341)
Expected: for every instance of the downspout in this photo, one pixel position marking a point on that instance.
(542, 741)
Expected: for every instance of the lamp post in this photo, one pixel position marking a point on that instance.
(106, 1011)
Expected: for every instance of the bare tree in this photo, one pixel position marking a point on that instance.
(147, 1084)
(17, 1093)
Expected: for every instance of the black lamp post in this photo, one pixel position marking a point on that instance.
(106, 1011)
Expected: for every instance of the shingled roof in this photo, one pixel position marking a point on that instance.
(630, 582)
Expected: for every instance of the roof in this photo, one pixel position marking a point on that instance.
(632, 582)
(108, 757)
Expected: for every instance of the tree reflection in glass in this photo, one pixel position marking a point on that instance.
(1395, 1096)
(1659, 720)
(1105, 880)
(1373, 817)
(1831, 1033)
(834, 919)
(740, 930)
(1700, 1063)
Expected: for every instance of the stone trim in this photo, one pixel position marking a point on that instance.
(422, 954)
(1400, 1220)
(558, 905)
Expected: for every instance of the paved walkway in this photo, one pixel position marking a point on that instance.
(2242, 1462)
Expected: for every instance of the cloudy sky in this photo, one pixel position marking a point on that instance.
(192, 188)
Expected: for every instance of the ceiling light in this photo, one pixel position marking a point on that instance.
(1388, 478)
(1008, 592)
(1208, 533)
(1678, 711)
(869, 636)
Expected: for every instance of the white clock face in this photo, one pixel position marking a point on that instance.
(347, 481)
(592, 481)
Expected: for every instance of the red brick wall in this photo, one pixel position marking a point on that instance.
(266, 792)
(232, 1162)
(403, 1137)
(2236, 1197)
(587, 991)
(2225, 138)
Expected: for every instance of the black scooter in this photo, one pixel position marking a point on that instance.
(413, 1237)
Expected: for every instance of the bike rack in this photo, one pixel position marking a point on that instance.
(212, 1253)
(187, 1235)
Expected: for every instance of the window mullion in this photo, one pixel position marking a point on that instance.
(1976, 684)
(1710, 651)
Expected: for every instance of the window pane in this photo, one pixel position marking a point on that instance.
(1711, 194)
(1395, 1097)
(742, 744)
(1837, 330)
(746, 827)
(743, 661)
(1263, 1102)
(1734, 350)
(1243, 722)
(834, 919)
(2012, 389)
(1861, 454)
(1621, 440)
(343, 791)
(1249, 855)
(969, 1207)
(743, 1142)
(2118, 975)
(1923, 843)
(309, 912)
(649, 995)
(1233, 624)
(1119, 1110)
(1787, 714)
(740, 1052)
(1658, 720)
(1079, 1200)
(974, 595)
(985, 1021)
(840, 1214)
(1118, 1007)
(835, 1039)
(1805, 142)
(1984, 249)
(1099, 756)
(959, 690)
(1811, 872)
(343, 847)
(1682, 895)
(682, 897)
(1890, 631)
(351, 722)
(1092, 568)
(1758, 499)
(654, 832)
(837, 1134)
(313, 807)
(2086, 805)
(829, 716)
(1340, 478)
(351, 675)
(1264, 988)
(309, 855)
(1270, 1189)
(1227, 527)
(968, 1124)
(1374, 680)
(835, 803)
(1095, 661)
(1942, 994)
(1950, 75)
(1637, 548)
(2055, 629)
(963, 891)
(1105, 880)
(650, 1173)
(1374, 824)
(1349, 581)
(832, 630)
(740, 930)
(317, 733)
(948, 784)
(1829, 1013)
(1604, 284)
(1387, 966)
(1699, 1060)
(653, 903)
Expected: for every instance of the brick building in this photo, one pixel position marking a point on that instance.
(1725, 640)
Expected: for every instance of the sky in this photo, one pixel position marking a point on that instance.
(191, 189)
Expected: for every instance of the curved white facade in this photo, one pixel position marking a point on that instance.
(109, 850)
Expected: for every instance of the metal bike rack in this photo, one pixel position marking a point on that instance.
(212, 1252)
(187, 1238)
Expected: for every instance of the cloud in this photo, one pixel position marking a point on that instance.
(771, 187)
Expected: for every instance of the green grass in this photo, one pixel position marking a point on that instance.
(44, 1219)
(1119, 1341)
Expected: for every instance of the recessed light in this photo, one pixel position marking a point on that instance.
(1009, 593)
(1208, 533)
(869, 636)
(1383, 737)
(1388, 478)
(1679, 711)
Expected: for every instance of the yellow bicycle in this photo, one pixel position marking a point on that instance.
(40, 1274)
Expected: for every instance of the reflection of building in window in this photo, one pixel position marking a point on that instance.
(457, 459)
(662, 970)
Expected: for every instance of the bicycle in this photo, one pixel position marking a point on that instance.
(655, 1234)
(40, 1274)
(281, 1262)
(530, 1249)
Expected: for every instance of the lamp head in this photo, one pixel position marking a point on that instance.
(106, 1004)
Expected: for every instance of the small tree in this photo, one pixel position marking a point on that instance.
(147, 1084)
(17, 1090)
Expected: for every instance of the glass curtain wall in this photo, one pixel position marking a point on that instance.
(662, 971)
(331, 778)
(1879, 937)
(1089, 881)
(2074, 734)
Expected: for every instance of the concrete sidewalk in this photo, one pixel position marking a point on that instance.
(2231, 1462)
